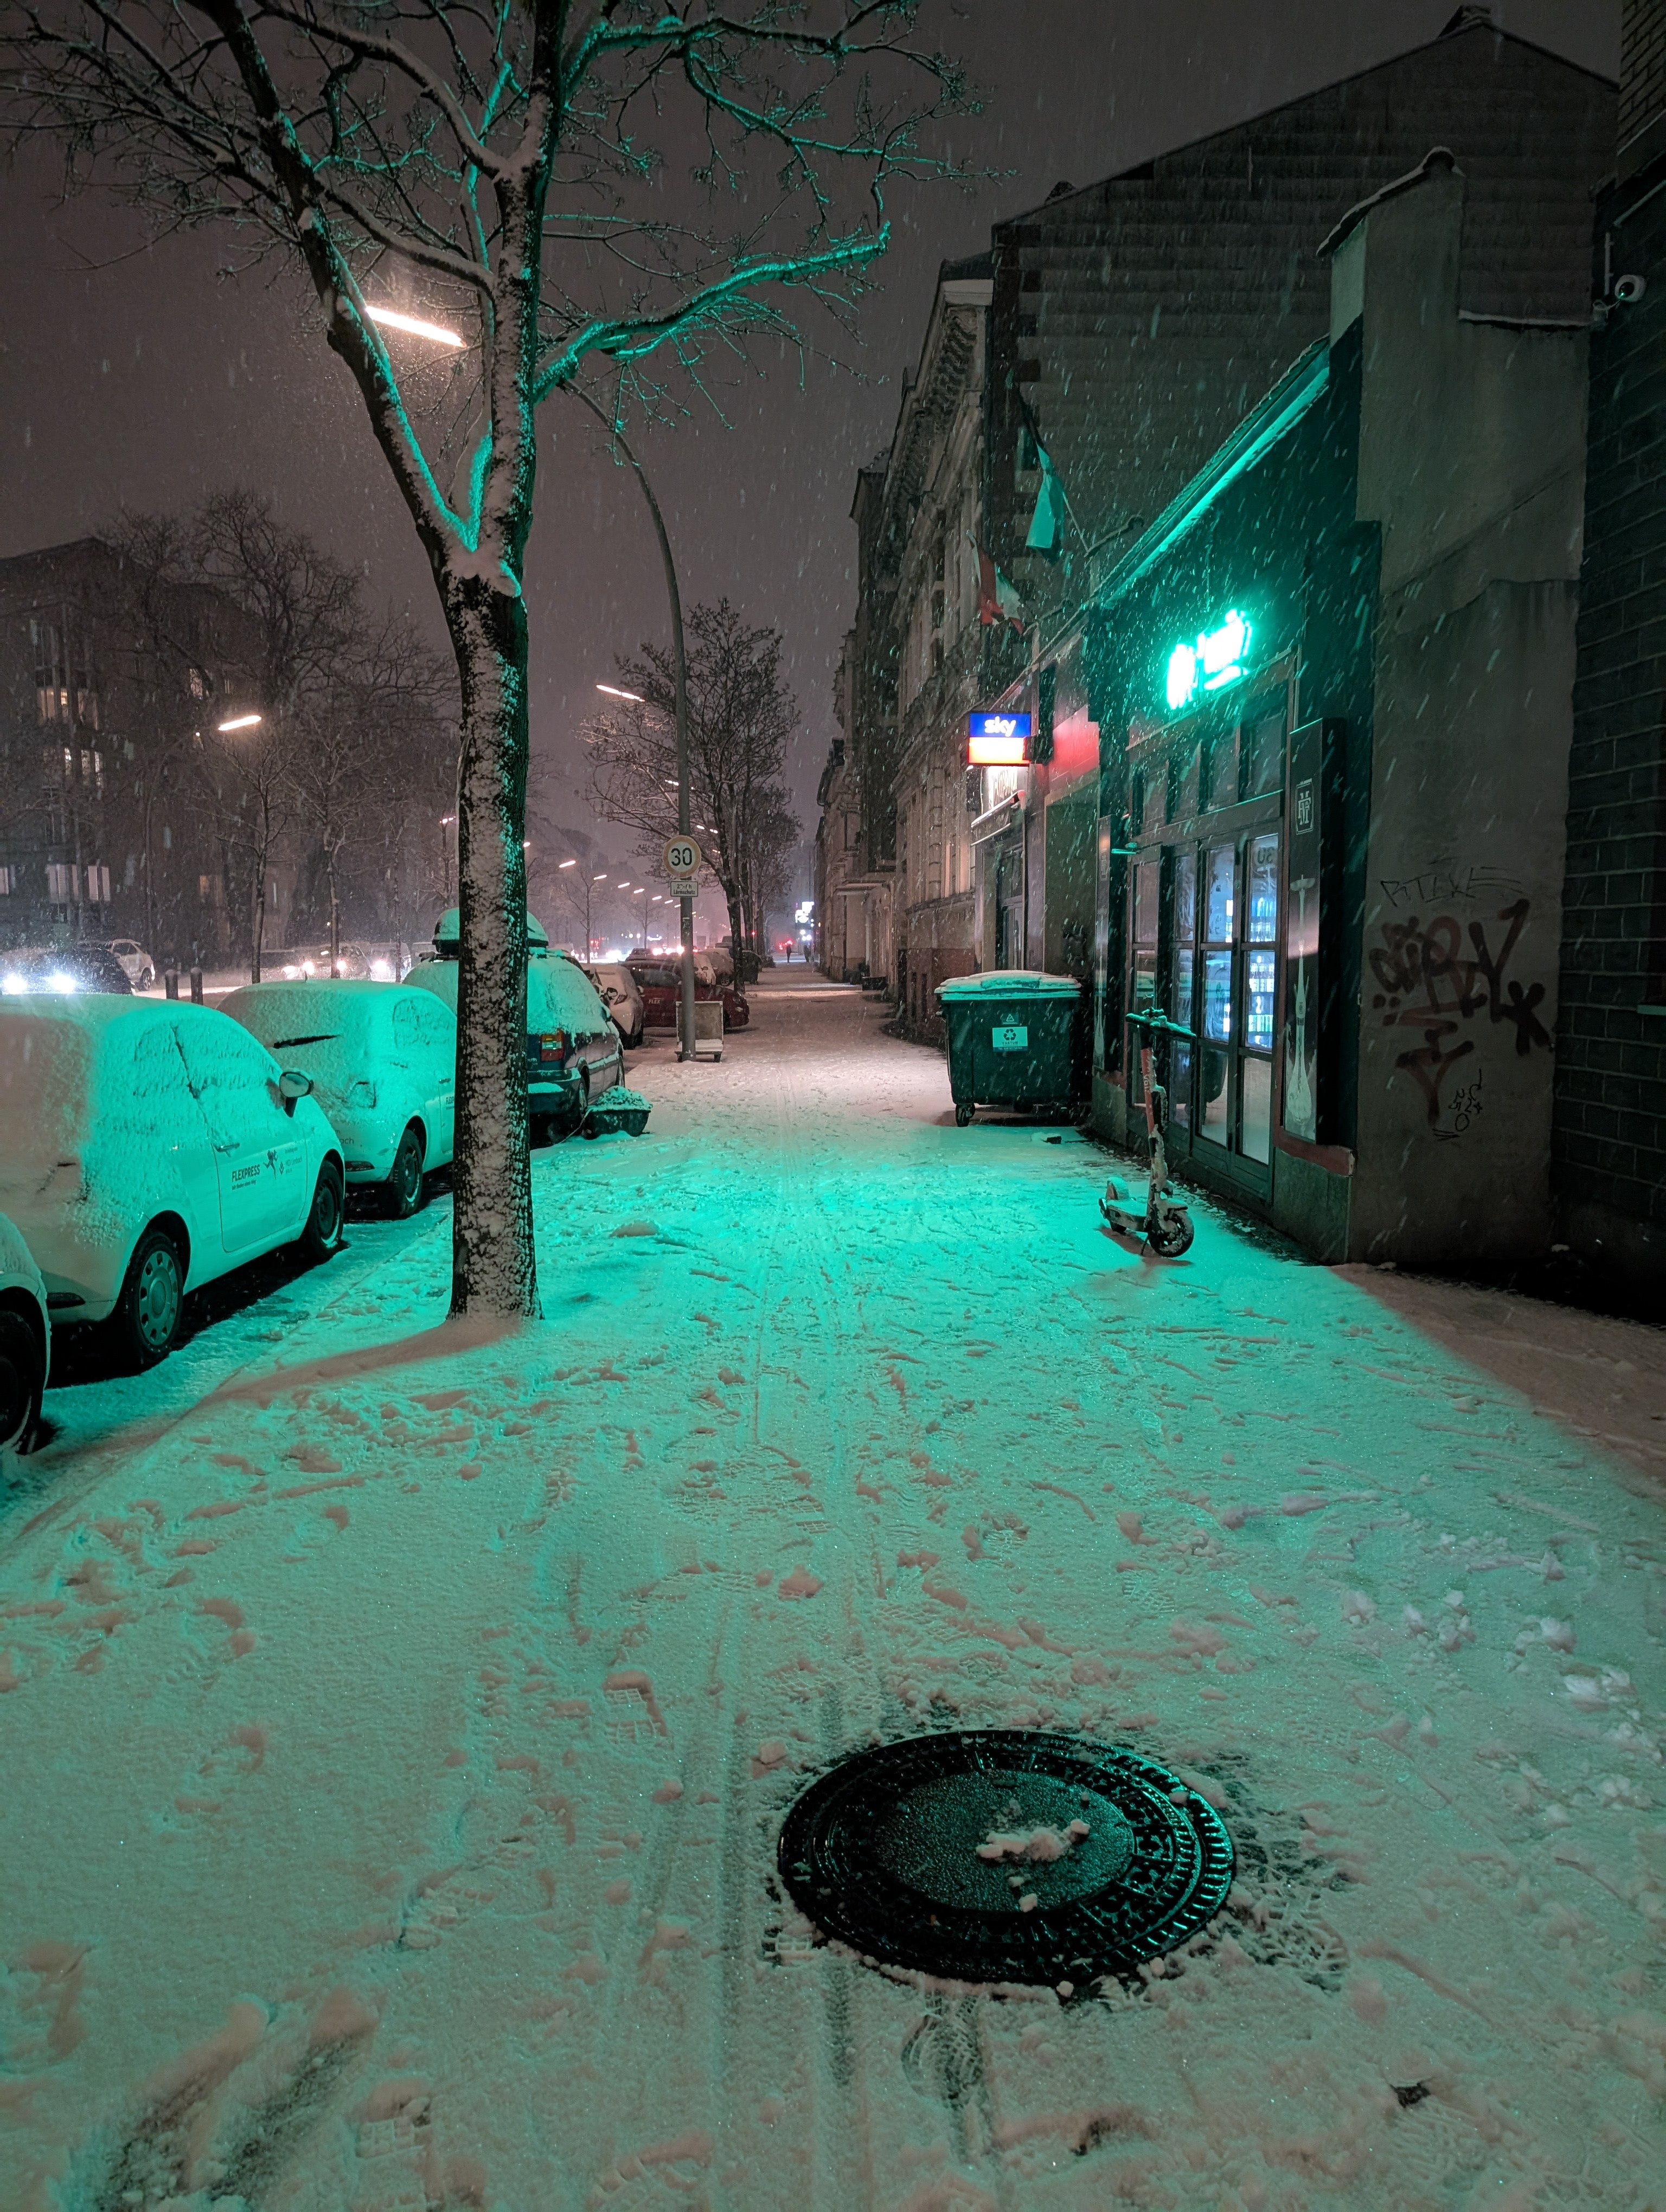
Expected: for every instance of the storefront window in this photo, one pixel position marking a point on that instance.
(1220, 867)
(1261, 932)
(1256, 1127)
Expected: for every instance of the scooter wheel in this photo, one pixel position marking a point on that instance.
(1169, 1238)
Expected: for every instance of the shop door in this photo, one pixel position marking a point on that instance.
(1009, 910)
(1225, 974)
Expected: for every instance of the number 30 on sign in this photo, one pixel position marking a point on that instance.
(682, 857)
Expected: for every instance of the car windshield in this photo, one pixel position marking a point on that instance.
(313, 1025)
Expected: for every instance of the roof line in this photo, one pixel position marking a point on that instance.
(1267, 114)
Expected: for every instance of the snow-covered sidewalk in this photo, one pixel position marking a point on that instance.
(396, 1726)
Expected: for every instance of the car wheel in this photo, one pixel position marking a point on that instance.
(145, 1320)
(322, 1235)
(147, 979)
(582, 1114)
(404, 1177)
(22, 1378)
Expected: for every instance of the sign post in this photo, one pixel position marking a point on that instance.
(682, 861)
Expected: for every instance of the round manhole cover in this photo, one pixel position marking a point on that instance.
(1002, 1856)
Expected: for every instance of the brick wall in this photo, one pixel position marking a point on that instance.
(1609, 1140)
(1642, 65)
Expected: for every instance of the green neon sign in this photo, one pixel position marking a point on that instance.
(1214, 659)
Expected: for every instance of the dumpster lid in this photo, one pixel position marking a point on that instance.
(1010, 984)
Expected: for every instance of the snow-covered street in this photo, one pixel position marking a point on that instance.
(398, 1716)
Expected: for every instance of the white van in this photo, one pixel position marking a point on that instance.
(383, 1061)
(147, 1147)
(572, 1049)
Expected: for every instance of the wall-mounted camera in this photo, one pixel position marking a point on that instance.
(1617, 291)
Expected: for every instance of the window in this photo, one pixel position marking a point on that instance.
(52, 686)
(1264, 755)
(8, 883)
(205, 886)
(60, 882)
(1221, 769)
(98, 884)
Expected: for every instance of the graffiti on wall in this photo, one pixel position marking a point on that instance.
(1445, 981)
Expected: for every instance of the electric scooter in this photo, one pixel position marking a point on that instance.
(1165, 1225)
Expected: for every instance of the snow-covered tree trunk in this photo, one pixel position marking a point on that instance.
(493, 1267)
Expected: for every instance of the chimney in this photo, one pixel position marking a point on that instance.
(1642, 84)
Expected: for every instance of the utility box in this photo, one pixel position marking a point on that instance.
(1016, 1038)
(708, 1027)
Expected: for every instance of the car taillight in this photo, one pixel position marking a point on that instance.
(548, 1047)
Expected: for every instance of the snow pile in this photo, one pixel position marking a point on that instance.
(621, 1098)
(1039, 1845)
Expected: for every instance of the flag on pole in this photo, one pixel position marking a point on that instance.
(998, 599)
(1047, 524)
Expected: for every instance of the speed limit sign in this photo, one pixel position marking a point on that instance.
(682, 857)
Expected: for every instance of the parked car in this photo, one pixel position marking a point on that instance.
(572, 1049)
(148, 1146)
(25, 1339)
(621, 995)
(659, 978)
(137, 963)
(355, 963)
(60, 970)
(383, 1061)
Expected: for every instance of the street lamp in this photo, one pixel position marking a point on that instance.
(414, 326)
(680, 671)
(237, 722)
(614, 692)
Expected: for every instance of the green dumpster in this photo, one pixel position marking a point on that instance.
(1016, 1038)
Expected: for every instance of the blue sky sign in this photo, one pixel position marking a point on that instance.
(998, 741)
(1213, 660)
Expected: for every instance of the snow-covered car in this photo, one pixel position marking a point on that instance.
(572, 1049)
(148, 1146)
(659, 978)
(137, 963)
(620, 994)
(25, 1339)
(60, 971)
(383, 1061)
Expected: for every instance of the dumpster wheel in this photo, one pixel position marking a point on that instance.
(963, 1115)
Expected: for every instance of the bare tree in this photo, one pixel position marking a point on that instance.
(740, 714)
(230, 595)
(512, 166)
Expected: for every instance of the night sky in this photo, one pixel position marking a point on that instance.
(152, 382)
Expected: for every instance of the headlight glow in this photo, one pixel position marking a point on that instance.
(15, 986)
(382, 970)
(57, 980)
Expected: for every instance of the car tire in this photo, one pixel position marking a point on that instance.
(404, 1178)
(144, 1320)
(146, 980)
(325, 1216)
(22, 1379)
(582, 1113)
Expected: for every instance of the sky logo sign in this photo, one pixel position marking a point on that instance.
(1215, 659)
(998, 741)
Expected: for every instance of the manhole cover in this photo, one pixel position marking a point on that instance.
(1001, 1856)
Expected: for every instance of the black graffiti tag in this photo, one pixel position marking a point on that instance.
(1429, 983)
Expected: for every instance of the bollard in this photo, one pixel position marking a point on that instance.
(170, 982)
(195, 987)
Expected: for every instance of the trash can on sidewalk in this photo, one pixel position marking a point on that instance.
(1016, 1038)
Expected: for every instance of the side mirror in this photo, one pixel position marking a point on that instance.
(292, 1084)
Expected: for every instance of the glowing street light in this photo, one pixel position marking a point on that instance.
(614, 692)
(566, 864)
(237, 722)
(414, 326)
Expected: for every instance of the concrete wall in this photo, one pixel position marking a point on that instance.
(1471, 459)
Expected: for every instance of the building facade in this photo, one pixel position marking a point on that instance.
(108, 824)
